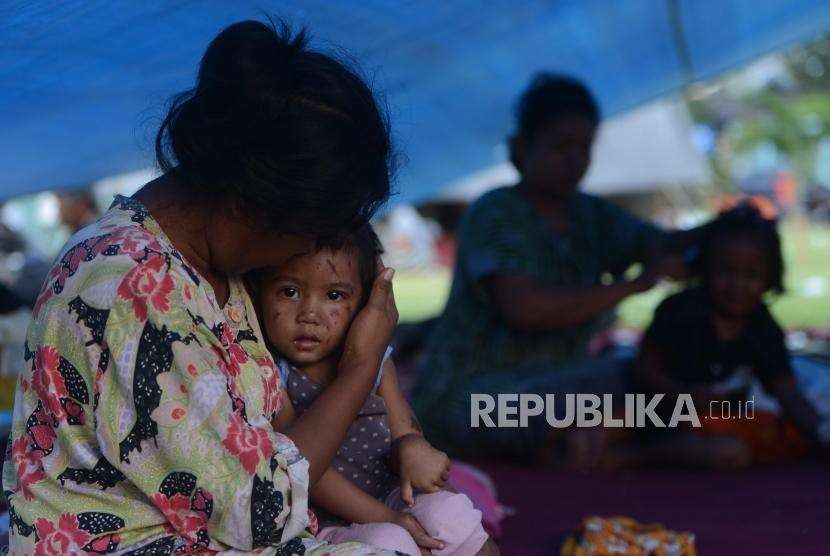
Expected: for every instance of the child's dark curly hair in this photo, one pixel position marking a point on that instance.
(744, 221)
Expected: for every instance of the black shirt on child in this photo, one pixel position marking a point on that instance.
(684, 336)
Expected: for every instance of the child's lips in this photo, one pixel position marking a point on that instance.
(306, 343)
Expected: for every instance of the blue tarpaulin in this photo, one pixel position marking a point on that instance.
(83, 84)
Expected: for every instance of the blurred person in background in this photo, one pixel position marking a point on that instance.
(711, 340)
(77, 209)
(531, 287)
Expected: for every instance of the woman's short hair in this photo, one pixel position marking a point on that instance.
(547, 97)
(289, 133)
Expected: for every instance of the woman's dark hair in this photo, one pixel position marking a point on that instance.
(289, 133)
(366, 246)
(744, 222)
(547, 97)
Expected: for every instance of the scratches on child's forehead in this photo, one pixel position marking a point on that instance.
(332, 266)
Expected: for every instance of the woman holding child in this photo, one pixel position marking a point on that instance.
(142, 423)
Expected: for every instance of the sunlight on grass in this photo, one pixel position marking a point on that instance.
(421, 295)
(806, 304)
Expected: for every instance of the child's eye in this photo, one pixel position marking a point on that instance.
(335, 295)
(290, 293)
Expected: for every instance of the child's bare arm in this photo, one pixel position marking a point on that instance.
(333, 492)
(417, 463)
(336, 494)
(796, 406)
(402, 420)
(649, 371)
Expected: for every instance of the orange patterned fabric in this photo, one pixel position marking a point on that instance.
(623, 536)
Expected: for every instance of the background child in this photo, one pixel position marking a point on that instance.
(712, 338)
(386, 480)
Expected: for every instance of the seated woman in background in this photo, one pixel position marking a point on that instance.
(709, 339)
(528, 292)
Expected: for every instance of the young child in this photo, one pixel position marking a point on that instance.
(386, 480)
(711, 338)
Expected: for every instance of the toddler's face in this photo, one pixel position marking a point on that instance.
(309, 303)
(738, 277)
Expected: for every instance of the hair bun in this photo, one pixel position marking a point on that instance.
(247, 62)
(280, 129)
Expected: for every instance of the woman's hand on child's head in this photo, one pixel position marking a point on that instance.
(672, 266)
(643, 282)
(373, 325)
(420, 466)
(419, 534)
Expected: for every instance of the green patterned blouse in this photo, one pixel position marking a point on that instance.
(501, 233)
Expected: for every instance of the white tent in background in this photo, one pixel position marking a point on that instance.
(642, 150)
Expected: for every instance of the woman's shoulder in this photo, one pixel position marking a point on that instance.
(100, 261)
(501, 199)
(125, 229)
(496, 210)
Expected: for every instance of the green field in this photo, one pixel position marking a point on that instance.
(806, 304)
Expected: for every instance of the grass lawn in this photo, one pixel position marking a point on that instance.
(806, 304)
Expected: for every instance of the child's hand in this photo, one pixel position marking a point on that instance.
(419, 534)
(420, 466)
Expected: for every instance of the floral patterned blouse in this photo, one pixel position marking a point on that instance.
(141, 420)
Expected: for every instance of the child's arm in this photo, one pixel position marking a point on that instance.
(796, 407)
(417, 463)
(649, 371)
(336, 494)
(333, 492)
(402, 420)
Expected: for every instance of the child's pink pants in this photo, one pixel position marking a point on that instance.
(446, 516)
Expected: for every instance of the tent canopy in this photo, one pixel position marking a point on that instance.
(83, 85)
